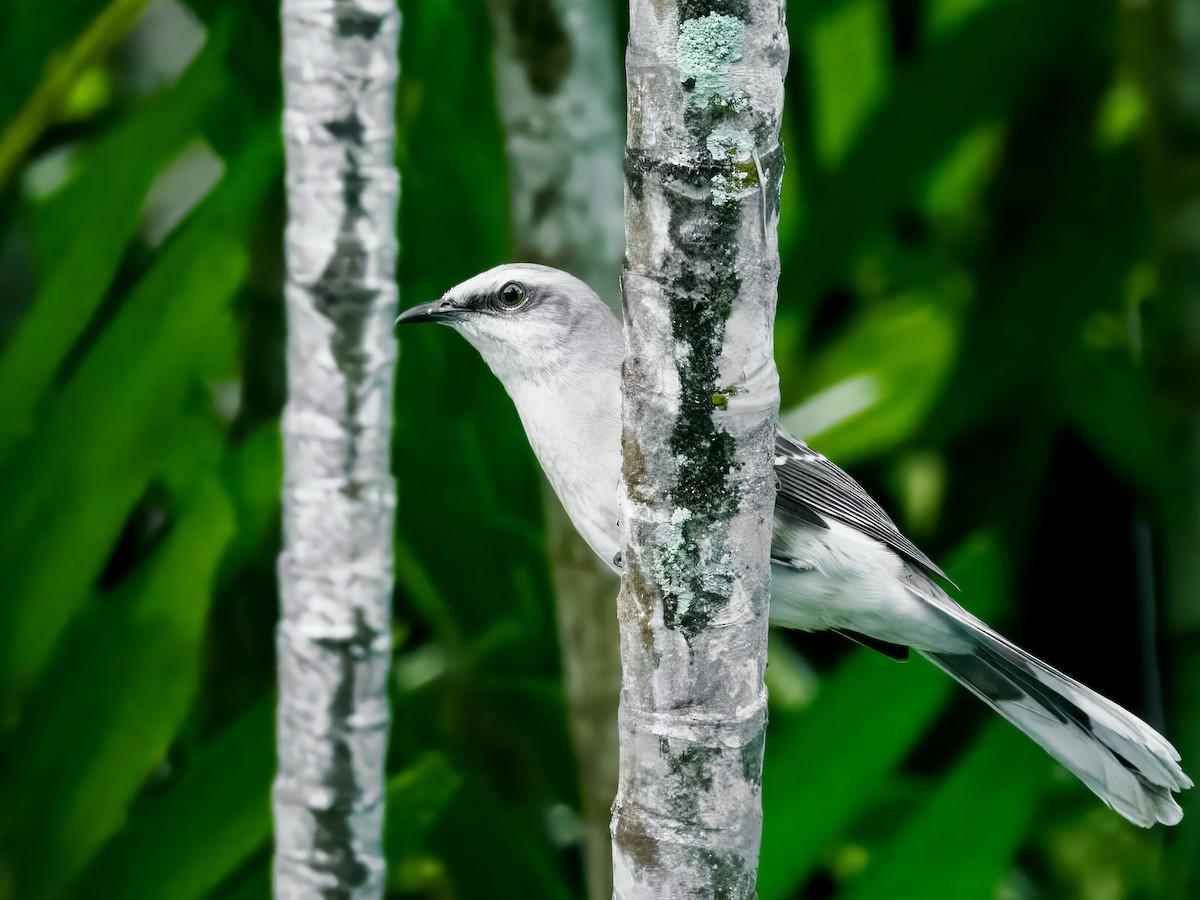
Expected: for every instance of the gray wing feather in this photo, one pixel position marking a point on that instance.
(810, 487)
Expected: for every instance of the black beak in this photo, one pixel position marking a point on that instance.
(437, 311)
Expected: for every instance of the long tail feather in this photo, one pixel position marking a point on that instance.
(1129, 765)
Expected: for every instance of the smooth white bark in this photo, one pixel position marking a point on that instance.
(703, 173)
(335, 573)
(558, 92)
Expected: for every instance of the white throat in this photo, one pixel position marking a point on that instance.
(573, 421)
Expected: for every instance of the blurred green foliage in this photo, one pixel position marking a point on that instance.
(965, 245)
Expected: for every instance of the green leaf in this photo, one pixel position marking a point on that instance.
(111, 429)
(824, 765)
(962, 840)
(254, 884)
(128, 672)
(1041, 294)
(849, 60)
(480, 835)
(109, 433)
(873, 387)
(416, 798)
(975, 74)
(26, 39)
(1110, 403)
(941, 16)
(187, 840)
(253, 476)
(80, 236)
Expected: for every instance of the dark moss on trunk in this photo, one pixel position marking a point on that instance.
(731, 878)
(752, 757)
(702, 118)
(695, 9)
(543, 44)
(701, 298)
(691, 771)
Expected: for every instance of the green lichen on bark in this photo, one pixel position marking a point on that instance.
(706, 49)
(704, 221)
(710, 44)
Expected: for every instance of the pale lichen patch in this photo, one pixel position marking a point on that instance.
(706, 49)
(673, 563)
(724, 190)
(727, 144)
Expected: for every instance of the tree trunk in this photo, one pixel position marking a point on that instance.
(339, 63)
(703, 173)
(1166, 47)
(558, 92)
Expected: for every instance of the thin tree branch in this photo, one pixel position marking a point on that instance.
(62, 74)
(335, 573)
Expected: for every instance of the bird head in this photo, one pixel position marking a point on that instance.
(526, 320)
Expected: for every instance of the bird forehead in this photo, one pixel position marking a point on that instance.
(528, 274)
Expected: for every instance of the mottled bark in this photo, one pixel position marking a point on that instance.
(335, 573)
(585, 595)
(703, 171)
(1165, 42)
(559, 99)
(557, 89)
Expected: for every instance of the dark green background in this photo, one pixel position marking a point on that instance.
(966, 314)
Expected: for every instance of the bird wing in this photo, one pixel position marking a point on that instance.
(810, 487)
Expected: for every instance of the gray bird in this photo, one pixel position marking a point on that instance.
(838, 562)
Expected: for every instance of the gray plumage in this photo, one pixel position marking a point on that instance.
(838, 562)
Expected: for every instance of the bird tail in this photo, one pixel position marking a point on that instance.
(1128, 764)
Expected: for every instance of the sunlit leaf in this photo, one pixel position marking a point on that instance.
(871, 388)
(849, 58)
(80, 235)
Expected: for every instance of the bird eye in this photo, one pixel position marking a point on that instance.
(512, 295)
